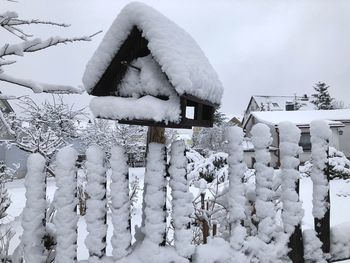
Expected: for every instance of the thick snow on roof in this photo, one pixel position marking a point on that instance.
(275, 103)
(335, 117)
(179, 56)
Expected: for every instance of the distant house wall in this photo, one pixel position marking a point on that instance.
(13, 156)
(344, 139)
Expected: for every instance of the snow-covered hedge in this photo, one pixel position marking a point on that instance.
(211, 168)
(339, 165)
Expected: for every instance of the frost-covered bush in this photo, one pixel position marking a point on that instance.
(211, 168)
(339, 165)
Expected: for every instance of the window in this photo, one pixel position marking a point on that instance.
(305, 141)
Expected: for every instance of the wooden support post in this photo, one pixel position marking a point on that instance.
(322, 226)
(296, 253)
(205, 226)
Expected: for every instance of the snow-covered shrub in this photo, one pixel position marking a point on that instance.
(182, 200)
(155, 225)
(264, 205)
(292, 213)
(211, 168)
(33, 217)
(66, 218)
(96, 212)
(312, 247)
(340, 241)
(320, 136)
(121, 239)
(236, 194)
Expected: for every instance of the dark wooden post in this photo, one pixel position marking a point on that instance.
(205, 226)
(296, 253)
(322, 226)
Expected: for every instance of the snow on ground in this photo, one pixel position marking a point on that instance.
(339, 206)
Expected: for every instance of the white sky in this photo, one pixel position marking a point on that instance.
(269, 47)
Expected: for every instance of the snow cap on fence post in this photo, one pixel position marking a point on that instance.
(265, 208)
(96, 212)
(121, 239)
(289, 151)
(66, 218)
(320, 136)
(236, 199)
(33, 217)
(155, 225)
(182, 200)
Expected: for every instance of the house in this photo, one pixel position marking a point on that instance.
(10, 154)
(339, 122)
(277, 103)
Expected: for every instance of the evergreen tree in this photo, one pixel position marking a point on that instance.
(219, 117)
(322, 99)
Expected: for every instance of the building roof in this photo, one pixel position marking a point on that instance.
(176, 52)
(278, 103)
(303, 118)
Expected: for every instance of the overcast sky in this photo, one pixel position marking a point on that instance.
(257, 47)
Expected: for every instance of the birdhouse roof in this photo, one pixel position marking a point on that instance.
(176, 52)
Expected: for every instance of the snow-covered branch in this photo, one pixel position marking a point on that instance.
(12, 23)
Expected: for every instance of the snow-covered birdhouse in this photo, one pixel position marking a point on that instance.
(149, 71)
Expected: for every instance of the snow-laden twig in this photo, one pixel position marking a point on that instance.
(10, 21)
(38, 87)
(66, 203)
(96, 213)
(34, 212)
(320, 136)
(292, 213)
(182, 200)
(121, 239)
(265, 208)
(236, 199)
(155, 224)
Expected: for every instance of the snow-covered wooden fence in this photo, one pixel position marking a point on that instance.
(268, 244)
